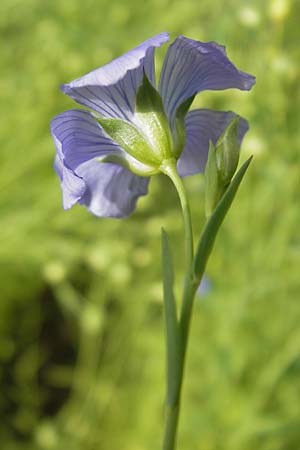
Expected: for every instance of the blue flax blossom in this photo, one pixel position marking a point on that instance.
(101, 172)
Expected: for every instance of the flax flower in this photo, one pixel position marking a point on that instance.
(107, 171)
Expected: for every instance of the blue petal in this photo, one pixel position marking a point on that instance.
(111, 89)
(81, 137)
(72, 186)
(193, 66)
(203, 125)
(108, 190)
(111, 190)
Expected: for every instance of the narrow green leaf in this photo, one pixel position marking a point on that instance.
(211, 229)
(171, 322)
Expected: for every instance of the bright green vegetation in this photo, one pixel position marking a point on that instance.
(81, 331)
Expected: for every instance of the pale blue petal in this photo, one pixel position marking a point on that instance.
(111, 89)
(192, 66)
(203, 125)
(111, 190)
(72, 186)
(108, 190)
(81, 137)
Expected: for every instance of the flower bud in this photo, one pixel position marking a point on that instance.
(213, 184)
(221, 165)
(228, 151)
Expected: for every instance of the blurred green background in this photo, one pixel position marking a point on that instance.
(81, 332)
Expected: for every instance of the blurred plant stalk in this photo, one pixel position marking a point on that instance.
(220, 191)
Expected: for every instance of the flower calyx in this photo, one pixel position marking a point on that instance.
(146, 140)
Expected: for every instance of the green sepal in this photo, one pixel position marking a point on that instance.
(228, 151)
(213, 185)
(131, 140)
(171, 321)
(213, 224)
(150, 115)
(129, 162)
(180, 125)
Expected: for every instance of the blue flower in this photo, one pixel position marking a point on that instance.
(111, 188)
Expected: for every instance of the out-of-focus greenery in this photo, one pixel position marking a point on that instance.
(81, 333)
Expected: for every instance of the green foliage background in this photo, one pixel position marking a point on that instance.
(81, 333)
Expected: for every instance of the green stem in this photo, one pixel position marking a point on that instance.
(172, 416)
(194, 273)
(170, 170)
(173, 408)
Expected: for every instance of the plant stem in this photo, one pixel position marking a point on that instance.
(173, 407)
(171, 171)
(172, 416)
(194, 273)
(173, 410)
